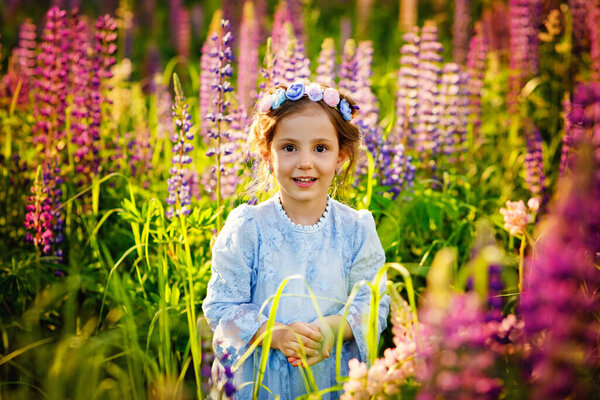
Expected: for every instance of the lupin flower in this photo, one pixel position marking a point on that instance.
(81, 134)
(326, 63)
(534, 163)
(395, 168)
(476, 66)
(454, 100)
(51, 84)
(25, 52)
(429, 109)
(460, 31)
(525, 18)
(517, 216)
(222, 379)
(454, 362)
(408, 83)
(593, 21)
(179, 190)
(560, 303)
(582, 119)
(248, 57)
(385, 377)
(348, 72)
(581, 31)
(103, 59)
(223, 145)
(39, 216)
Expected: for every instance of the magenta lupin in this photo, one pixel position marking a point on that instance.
(461, 30)
(248, 57)
(560, 304)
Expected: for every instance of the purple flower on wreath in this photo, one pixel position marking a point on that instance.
(314, 92)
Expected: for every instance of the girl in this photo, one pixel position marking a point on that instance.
(305, 137)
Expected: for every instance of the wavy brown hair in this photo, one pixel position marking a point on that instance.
(264, 127)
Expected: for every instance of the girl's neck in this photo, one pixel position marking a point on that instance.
(303, 213)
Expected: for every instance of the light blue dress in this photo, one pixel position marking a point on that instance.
(257, 249)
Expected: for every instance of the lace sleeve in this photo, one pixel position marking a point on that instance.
(228, 306)
(368, 259)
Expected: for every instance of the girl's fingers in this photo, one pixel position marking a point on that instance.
(309, 343)
(309, 331)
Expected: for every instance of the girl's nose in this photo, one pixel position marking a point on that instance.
(305, 161)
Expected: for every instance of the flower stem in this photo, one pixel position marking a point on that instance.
(521, 259)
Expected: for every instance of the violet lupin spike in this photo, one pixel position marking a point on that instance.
(534, 162)
(429, 110)
(220, 120)
(349, 67)
(326, 63)
(476, 66)
(179, 197)
(406, 100)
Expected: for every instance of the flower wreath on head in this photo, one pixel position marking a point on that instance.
(314, 91)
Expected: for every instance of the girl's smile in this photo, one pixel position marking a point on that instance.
(304, 154)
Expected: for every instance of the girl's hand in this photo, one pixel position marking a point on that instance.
(325, 346)
(297, 335)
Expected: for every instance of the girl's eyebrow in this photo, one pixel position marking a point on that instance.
(292, 140)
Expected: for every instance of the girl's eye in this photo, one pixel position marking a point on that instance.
(288, 148)
(320, 148)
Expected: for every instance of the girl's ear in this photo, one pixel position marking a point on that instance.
(342, 158)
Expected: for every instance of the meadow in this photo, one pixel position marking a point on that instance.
(123, 130)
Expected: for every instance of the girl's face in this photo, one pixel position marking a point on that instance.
(304, 155)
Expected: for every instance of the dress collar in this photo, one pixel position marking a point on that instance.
(298, 227)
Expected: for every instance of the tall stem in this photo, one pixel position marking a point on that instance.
(521, 259)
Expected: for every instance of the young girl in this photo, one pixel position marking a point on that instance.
(305, 137)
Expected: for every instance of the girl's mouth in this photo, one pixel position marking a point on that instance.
(304, 181)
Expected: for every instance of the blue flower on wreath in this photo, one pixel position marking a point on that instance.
(345, 110)
(295, 91)
(278, 98)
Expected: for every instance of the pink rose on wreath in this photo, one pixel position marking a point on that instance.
(265, 104)
(331, 97)
(314, 92)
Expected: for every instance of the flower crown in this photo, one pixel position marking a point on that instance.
(314, 91)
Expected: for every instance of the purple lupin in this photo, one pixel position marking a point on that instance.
(476, 67)
(406, 100)
(534, 163)
(593, 21)
(560, 303)
(326, 63)
(525, 17)
(179, 197)
(427, 141)
(348, 68)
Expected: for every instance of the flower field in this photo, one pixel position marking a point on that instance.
(123, 130)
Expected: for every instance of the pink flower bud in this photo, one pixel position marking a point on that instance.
(331, 97)
(265, 104)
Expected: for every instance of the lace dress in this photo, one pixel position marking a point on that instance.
(257, 249)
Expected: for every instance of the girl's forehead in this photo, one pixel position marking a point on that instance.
(313, 122)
